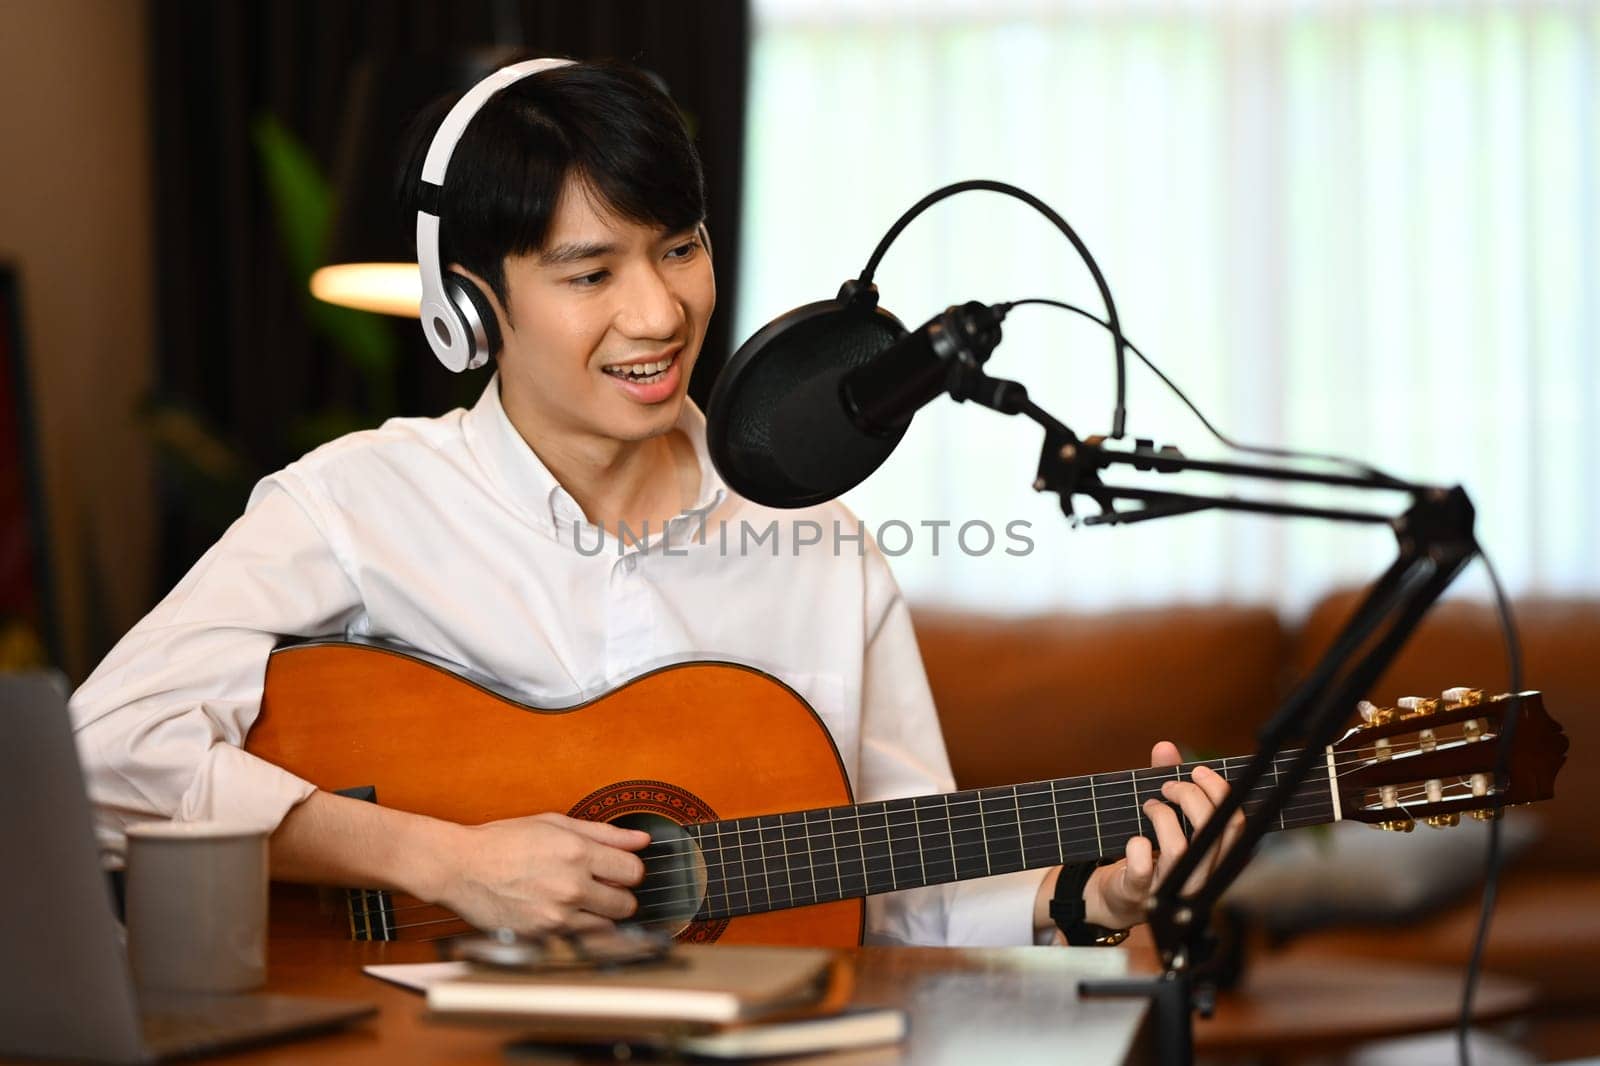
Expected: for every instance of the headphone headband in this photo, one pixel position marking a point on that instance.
(460, 342)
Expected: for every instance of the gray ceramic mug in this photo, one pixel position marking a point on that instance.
(197, 906)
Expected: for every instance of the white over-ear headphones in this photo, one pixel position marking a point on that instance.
(457, 318)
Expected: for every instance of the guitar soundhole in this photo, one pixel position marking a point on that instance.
(674, 886)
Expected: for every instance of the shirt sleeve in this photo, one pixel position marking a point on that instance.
(903, 754)
(161, 722)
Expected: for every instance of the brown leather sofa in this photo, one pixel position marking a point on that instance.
(1068, 693)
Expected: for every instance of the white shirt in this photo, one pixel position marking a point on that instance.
(449, 534)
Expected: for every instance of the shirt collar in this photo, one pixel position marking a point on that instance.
(534, 489)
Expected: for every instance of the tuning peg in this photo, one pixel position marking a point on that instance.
(1462, 696)
(1489, 815)
(1416, 706)
(1372, 714)
(1444, 821)
(1398, 825)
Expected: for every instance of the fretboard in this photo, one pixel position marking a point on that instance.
(777, 861)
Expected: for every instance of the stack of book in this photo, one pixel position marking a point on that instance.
(716, 1002)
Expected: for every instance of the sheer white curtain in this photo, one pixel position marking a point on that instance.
(1364, 227)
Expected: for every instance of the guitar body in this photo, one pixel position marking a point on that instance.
(692, 743)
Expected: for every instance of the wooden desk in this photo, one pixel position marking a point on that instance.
(1013, 1005)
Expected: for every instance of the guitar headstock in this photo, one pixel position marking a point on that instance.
(1432, 760)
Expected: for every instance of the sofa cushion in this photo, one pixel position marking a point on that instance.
(1026, 698)
(1546, 929)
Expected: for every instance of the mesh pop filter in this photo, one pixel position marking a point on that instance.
(775, 426)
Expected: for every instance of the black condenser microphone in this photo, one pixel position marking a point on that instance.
(816, 401)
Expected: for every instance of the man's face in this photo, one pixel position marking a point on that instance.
(592, 319)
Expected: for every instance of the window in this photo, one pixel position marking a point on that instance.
(1362, 227)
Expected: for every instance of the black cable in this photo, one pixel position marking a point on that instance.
(1119, 414)
(1255, 449)
(1492, 860)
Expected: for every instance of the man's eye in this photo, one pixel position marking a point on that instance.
(589, 281)
(686, 248)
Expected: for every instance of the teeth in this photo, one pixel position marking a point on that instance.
(641, 370)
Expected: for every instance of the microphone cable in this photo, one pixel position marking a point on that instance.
(1255, 449)
(1493, 858)
(1119, 414)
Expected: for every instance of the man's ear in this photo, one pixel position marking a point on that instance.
(495, 317)
(484, 290)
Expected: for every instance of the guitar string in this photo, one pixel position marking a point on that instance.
(869, 869)
(1314, 786)
(766, 874)
(1315, 780)
(1311, 786)
(1029, 838)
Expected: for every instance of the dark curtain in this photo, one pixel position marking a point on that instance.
(235, 344)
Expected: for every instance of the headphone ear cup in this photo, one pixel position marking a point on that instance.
(483, 328)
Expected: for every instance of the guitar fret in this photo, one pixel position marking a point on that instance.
(876, 858)
(968, 849)
(1183, 819)
(1055, 813)
(905, 859)
(1078, 826)
(1039, 824)
(1002, 832)
(773, 854)
(1099, 847)
(824, 855)
(811, 865)
(697, 844)
(916, 828)
(796, 859)
(950, 834)
(1115, 794)
(729, 867)
(1138, 808)
(983, 831)
(933, 835)
(852, 860)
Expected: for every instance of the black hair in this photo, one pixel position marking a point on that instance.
(606, 123)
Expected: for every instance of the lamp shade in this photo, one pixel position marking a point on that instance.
(371, 262)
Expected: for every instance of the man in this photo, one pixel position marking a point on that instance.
(575, 203)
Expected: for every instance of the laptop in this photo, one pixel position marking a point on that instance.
(65, 987)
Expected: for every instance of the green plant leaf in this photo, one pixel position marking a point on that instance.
(302, 205)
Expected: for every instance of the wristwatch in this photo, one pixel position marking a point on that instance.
(1067, 909)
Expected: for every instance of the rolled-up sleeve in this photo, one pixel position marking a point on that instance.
(903, 754)
(161, 722)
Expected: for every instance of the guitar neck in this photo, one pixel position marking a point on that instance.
(777, 861)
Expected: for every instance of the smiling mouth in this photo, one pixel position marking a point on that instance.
(644, 373)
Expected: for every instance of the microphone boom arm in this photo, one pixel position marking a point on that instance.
(1435, 540)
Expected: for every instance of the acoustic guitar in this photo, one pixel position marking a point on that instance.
(755, 835)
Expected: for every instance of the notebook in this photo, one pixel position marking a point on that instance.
(695, 983)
